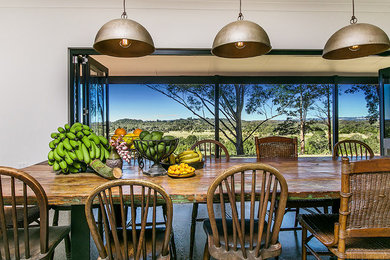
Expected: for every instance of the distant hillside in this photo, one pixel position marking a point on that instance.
(191, 129)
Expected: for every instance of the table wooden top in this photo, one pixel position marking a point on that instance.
(307, 178)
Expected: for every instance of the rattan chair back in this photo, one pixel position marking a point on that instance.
(16, 241)
(276, 147)
(211, 150)
(120, 243)
(365, 204)
(229, 189)
(353, 149)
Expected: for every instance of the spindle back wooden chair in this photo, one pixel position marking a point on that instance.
(276, 147)
(238, 237)
(353, 149)
(143, 239)
(19, 240)
(362, 227)
(280, 147)
(211, 150)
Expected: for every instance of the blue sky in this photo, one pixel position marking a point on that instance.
(140, 102)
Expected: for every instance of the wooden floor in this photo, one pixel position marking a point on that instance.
(290, 240)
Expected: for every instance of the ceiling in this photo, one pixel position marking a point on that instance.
(267, 65)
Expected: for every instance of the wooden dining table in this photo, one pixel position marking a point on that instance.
(307, 178)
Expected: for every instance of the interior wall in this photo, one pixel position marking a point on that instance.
(36, 34)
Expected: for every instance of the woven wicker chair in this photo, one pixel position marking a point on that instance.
(353, 149)
(19, 239)
(211, 150)
(362, 229)
(246, 237)
(147, 238)
(276, 147)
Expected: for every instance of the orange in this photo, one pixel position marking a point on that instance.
(120, 131)
(137, 131)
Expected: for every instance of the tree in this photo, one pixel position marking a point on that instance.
(199, 99)
(302, 99)
(371, 95)
(324, 111)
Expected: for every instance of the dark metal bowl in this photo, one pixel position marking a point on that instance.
(156, 151)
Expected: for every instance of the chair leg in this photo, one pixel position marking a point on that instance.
(296, 217)
(206, 253)
(56, 217)
(193, 228)
(68, 251)
(173, 247)
(326, 210)
(304, 236)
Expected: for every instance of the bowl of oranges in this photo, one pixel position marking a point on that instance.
(182, 170)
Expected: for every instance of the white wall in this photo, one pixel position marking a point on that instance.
(36, 34)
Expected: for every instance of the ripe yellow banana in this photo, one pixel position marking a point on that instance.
(188, 151)
(200, 155)
(192, 160)
(189, 156)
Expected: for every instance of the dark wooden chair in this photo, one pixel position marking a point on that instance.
(353, 149)
(362, 227)
(26, 242)
(146, 239)
(211, 150)
(276, 147)
(241, 236)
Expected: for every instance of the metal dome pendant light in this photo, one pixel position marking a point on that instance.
(241, 39)
(123, 38)
(356, 40)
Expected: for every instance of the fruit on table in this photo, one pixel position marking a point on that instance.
(156, 135)
(143, 134)
(120, 131)
(137, 132)
(129, 138)
(155, 145)
(181, 170)
(189, 156)
(74, 147)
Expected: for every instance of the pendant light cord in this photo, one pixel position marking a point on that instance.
(240, 15)
(124, 14)
(353, 18)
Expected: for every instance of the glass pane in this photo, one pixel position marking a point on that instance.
(290, 110)
(185, 111)
(97, 107)
(359, 114)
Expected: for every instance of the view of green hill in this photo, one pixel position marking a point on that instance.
(316, 140)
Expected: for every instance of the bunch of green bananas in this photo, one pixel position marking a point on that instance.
(189, 156)
(74, 147)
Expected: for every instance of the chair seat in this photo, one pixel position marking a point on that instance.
(367, 247)
(56, 235)
(160, 232)
(304, 203)
(221, 253)
(321, 226)
(33, 215)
